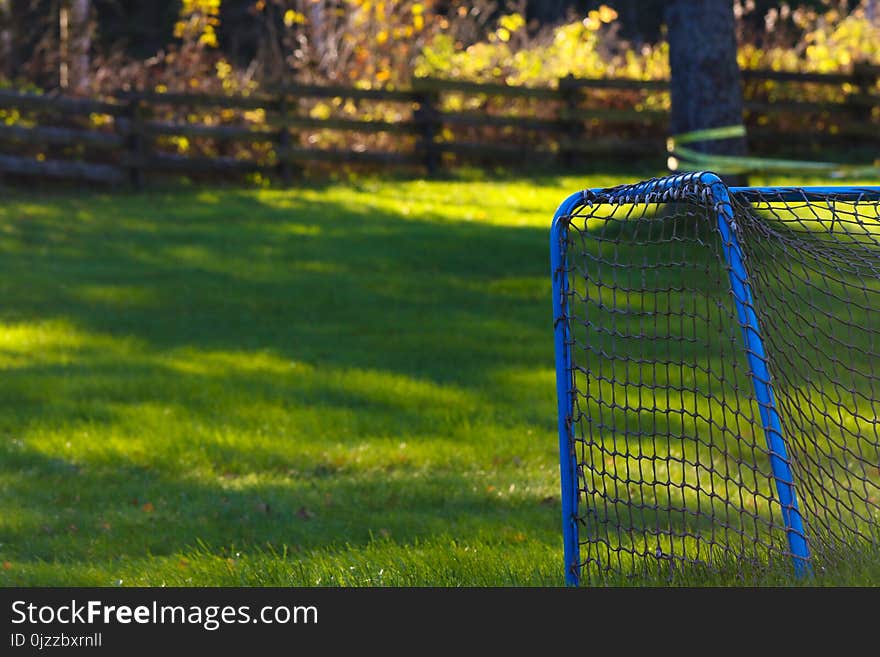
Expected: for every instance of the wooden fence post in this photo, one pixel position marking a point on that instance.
(135, 151)
(282, 144)
(427, 116)
(570, 95)
(865, 77)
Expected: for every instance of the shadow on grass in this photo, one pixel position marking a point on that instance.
(315, 281)
(72, 512)
(279, 320)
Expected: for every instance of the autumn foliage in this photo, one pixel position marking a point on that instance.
(388, 44)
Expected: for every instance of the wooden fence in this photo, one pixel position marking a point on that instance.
(436, 123)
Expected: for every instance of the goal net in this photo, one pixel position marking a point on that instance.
(718, 355)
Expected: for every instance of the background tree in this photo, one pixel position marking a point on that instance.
(75, 32)
(7, 40)
(705, 78)
(80, 44)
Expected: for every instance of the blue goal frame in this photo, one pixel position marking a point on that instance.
(719, 195)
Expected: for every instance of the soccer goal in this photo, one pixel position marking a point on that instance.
(718, 377)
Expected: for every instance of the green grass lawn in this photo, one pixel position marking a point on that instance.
(349, 384)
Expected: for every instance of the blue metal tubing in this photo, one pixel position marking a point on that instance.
(760, 375)
(567, 455)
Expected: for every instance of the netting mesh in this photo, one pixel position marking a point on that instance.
(673, 467)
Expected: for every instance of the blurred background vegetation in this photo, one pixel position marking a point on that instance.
(98, 46)
(104, 48)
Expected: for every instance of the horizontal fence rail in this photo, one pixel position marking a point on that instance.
(433, 124)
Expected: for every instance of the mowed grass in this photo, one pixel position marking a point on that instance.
(342, 384)
(347, 384)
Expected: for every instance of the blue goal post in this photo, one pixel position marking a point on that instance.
(717, 373)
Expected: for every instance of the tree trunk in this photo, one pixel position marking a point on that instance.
(7, 40)
(320, 35)
(64, 46)
(80, 45)
(706, 85)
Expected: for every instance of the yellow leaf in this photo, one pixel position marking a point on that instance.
(255, 116)
(224, 69)
(383, 76)
(292, 18)
(209, 38)
(512, 22)
(320, 111)
(607, 14)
